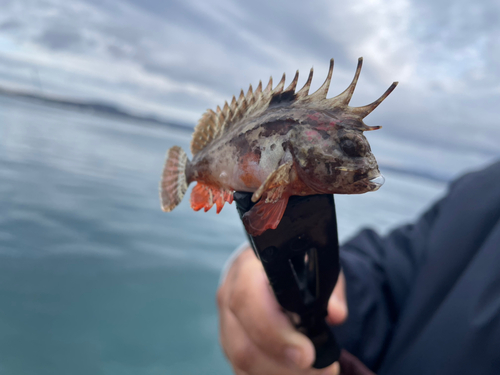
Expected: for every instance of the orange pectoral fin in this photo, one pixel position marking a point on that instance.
(205, 196)
(264, 216)
(228, 196)
(201, 197)
(219, 200)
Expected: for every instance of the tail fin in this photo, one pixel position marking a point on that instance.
(173, 181)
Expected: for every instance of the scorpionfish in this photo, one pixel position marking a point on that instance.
(275, 143)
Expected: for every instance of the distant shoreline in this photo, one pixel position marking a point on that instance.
(112, 110)
(89, 106)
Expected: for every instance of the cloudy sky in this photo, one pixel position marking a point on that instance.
(176, 58)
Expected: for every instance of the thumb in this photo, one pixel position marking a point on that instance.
(337, 305)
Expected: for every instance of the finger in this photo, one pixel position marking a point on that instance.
(232, 275)
(337, 304)
(256, 309)
(333, 369)
(243, 260)
(247, 359)
(231, 330)
(236, 345)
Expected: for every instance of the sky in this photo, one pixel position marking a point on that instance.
(177, 58)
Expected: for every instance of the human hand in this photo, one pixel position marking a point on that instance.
(257, 337)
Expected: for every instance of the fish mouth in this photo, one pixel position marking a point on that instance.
(371, 183)
(376, 182)
(364, 182)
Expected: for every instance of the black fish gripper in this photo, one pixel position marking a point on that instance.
(301, 260)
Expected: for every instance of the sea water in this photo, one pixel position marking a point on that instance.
(96, 279)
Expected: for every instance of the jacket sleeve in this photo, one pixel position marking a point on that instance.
(379, 273)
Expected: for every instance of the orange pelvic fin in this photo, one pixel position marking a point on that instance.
(205, 196)
(264, 216)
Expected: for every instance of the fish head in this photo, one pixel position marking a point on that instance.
(356, 166)
(337, 159)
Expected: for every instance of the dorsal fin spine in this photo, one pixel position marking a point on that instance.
(279, 87)
(233, 104)
(249, 96)
(302, 93)
(213, 123)
(243, 107)
(367, 109)
(269, 87)
(258, 90)
(222, 117)
(344, 98)
(321, 93)
(293, 84)
(241, 97)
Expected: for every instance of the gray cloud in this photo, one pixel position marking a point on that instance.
(10, 25)
(177, 58)
(462, 36)
(60, 38)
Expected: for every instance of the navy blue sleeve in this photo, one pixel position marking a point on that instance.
(379, 273)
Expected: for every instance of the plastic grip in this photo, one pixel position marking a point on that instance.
(301, 260)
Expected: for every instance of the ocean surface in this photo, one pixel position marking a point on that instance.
(96, 279)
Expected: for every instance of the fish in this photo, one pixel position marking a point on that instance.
(275, 143)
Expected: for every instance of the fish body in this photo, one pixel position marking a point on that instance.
(275, 143)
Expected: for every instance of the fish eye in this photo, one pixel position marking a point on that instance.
(353, 146)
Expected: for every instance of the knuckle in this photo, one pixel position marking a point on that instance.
(272, 346)
(242, 357)
(234, 303)
(237, 299)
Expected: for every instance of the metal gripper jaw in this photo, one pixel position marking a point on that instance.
(301, 260)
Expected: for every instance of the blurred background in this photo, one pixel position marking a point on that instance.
(94, 277)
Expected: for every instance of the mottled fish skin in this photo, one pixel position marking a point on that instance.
(276, 143)
(316, 141)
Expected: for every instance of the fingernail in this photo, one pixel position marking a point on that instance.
(294, 356)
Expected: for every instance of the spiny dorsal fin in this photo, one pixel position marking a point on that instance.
(258, 90)
(367, 109)
(279, 88)
(293, 84)
(269, 86)
(213, 124)
(233, 104)
(320, 94)
(304, 91)
(249, 98)
(345, 97)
